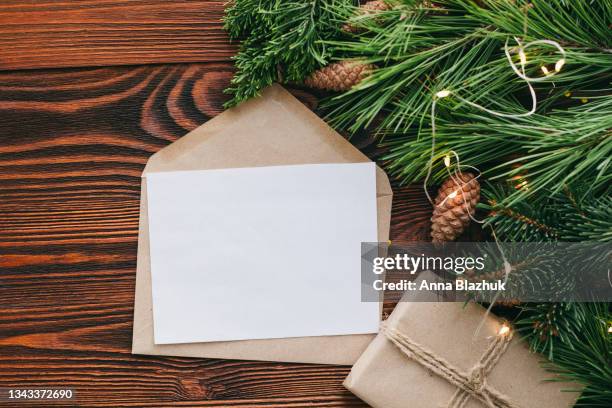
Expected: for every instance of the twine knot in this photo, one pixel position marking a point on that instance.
(478, 380)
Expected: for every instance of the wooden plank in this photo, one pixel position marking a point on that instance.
(73, 144)
(79, 33)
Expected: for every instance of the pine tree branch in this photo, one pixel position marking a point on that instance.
(458, 45)
(566, 147)
(576, 340)
(560, 218)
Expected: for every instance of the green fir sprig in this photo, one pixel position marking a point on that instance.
(281, 41)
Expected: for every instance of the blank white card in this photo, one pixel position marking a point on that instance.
(256, 253)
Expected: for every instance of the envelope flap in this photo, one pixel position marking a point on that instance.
(274, 129)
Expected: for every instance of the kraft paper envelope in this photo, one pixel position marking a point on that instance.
(273, 129)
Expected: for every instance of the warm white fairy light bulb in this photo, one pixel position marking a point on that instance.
(447, 160)
(545, 70)
(559, 64)
(504, 330)
(523, 184)
(453, 194)
(522, 57)
(443, 94)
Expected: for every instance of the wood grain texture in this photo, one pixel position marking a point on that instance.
(73, 144)
(79, 33)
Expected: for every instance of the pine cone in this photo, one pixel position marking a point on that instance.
(339, 76)
(453, 207)
(371, 7)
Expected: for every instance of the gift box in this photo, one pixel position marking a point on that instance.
(437, 354)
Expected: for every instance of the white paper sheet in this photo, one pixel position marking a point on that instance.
(264, 252)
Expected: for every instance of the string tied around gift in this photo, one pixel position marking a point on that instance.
(472, 384)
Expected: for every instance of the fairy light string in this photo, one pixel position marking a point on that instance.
(520, 72)
(458, 166)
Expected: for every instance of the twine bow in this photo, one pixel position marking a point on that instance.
(469, 385)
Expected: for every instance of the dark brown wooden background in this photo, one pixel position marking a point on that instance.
(89, 89)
